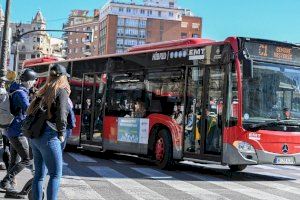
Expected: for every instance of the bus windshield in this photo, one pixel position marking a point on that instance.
(273, 93)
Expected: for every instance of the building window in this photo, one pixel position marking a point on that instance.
(83, 29)
(149, 12)
(141, 42)
(195, 35)
(70, 51)
(143, 23)
(184, 24)
(120, 42)
(132, 22)
(195, 25)
(70, 41)
(38, 39)
(77, 40)
(171, 14)
(183, 35)
(128, 10)
(121, 9)
(71, 33)
(142, 11)
(120, 31)
(96, 28)
(142, 33)
(95, 37)
(159, 13)
(22, 56)
(76, 50)
(32, 56)
(119, 51)
(121, 21)
(130, 42)
(82, 40)
(171, 4)
(131, 32)
(82, 49)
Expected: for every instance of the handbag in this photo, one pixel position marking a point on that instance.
(34, 124)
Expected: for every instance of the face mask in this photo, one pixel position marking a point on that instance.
(29, 84)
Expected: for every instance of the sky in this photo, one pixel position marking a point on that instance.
(268, 19)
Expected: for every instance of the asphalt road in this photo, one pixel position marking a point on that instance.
(126, 177)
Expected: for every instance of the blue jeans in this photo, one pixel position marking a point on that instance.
(47, 153)
(67, 135)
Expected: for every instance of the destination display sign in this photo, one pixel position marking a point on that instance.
(274, 53)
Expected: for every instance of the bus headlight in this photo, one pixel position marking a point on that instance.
(243, 147)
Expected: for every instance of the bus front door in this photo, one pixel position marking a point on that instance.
(93, 90)
(203, 110)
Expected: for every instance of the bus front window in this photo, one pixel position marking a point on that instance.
(273, 93)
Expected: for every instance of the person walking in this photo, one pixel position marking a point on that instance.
(19, 95)
(46, 149)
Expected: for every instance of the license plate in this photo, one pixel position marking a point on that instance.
(284, 160)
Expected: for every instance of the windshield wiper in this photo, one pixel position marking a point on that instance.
(256, 127)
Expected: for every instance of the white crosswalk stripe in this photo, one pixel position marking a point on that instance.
(130, 186)
(251, 192)
(82, 158)
(178, 184)
(73, 187)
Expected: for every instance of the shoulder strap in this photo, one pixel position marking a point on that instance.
(12, 93)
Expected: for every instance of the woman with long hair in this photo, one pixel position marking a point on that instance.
(46, 149)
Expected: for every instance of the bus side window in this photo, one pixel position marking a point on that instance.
(126, 97)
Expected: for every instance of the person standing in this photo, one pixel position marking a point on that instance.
(46, 149)
(19, 95)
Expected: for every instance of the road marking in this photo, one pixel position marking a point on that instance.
(131, 187)
(265, 167)
(82, 158)
(183, 186)
(279, 186)
(73, 187)
(291, 167)
(122, 162)
(230, 185)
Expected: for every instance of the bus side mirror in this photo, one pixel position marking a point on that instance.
(248, 68)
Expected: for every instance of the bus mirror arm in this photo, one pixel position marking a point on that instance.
(248, 68)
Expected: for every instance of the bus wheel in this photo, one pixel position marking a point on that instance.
(237, 168)
(163, 150)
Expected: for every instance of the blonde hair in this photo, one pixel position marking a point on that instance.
(49, 91)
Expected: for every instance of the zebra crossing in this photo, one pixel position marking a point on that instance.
(94, 178)
(148, 182)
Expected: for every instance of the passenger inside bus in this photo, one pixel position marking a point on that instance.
(139, 110)
(177, 115)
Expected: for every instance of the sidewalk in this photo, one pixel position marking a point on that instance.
(21, 178)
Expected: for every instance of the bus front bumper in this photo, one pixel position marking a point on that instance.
(231, 156)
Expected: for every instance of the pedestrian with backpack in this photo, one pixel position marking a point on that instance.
(19, 102)
(5, 119)
(46, 148)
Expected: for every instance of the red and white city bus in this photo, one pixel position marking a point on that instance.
(234, 102)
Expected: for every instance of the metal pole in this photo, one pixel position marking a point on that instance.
(16, 58)
(4, 49)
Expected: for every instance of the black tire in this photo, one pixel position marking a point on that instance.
(166, 161)
(237, 168)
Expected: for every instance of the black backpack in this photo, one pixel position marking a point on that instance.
(34, 124)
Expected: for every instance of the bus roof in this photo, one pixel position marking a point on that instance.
(45, 59)
(160, 46)
(167, 44)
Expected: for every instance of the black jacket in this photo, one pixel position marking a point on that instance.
(59, 111)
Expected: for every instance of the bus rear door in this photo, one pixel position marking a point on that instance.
(92, 107)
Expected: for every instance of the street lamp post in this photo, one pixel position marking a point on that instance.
(5, 45)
